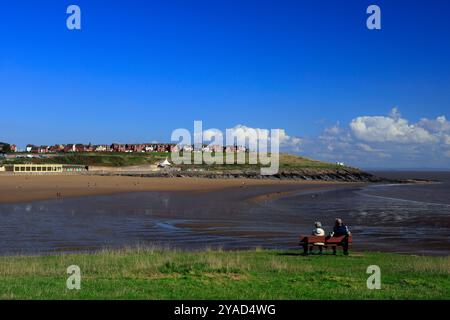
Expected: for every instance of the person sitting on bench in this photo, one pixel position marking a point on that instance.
(318, 231)
(339, 230)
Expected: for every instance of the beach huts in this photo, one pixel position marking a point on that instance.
(37, 168)
(45, 168)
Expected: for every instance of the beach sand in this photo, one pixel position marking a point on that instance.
(26, 188)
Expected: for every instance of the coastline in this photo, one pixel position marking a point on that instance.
(186, 210)
(27, 188)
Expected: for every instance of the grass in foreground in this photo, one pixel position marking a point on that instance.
(258, 274)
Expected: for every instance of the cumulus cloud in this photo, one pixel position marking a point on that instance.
(210, 133)
(438, 125)
(446, 139)
(368, 141)
(390, 140)
(392, 128)
(365, 147)
(244, 133)
(288, 141)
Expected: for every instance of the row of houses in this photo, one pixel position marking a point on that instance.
(117, 147)
(6, 147)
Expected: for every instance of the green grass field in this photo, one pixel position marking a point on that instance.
(95, 159)
(258, 274)
(287, 161)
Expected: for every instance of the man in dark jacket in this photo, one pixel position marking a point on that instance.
(339, 230)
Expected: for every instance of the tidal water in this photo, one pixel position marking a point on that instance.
(411, 218)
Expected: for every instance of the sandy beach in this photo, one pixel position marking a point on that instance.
(31, 188)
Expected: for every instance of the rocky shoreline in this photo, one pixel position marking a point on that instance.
(341, 175)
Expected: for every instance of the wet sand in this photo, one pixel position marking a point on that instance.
(184, 219)
(25, 188)
(232, 214)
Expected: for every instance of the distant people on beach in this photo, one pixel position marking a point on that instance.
(339, 230)
(318, 231)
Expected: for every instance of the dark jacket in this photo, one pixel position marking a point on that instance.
(340, 231)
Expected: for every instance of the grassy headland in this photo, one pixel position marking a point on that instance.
(121, 159)
(108, 159)
(256, 274)
(290, 166)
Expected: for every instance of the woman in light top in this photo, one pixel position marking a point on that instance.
(318, 231)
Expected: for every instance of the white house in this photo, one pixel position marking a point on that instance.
(164, 164)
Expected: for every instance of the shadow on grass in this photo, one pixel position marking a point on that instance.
(294, 254)
(314, 254)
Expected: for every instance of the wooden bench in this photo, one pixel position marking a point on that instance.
(307, 242)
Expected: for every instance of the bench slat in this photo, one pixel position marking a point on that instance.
(326, 240)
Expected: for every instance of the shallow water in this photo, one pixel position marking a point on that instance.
(401, 218)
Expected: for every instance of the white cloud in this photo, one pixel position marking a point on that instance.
(334, 130)
(370, 141)
(446, 139)
(392, 140)
(242, 132)
(395, 113)
(365, 147)
(210, 133)
(438, 125)
(287, 141)
(389, 129)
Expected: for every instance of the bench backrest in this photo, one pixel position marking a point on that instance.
(324, 239)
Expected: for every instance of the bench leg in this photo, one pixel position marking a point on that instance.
(345, 248)
(305, 249)
(311, 249)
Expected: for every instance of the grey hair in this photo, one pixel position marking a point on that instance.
(318, 224)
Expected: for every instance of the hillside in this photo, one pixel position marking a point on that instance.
(290, 166)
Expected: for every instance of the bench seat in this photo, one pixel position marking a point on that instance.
(333, 242)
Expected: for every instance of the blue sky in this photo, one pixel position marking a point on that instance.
(140, 69)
